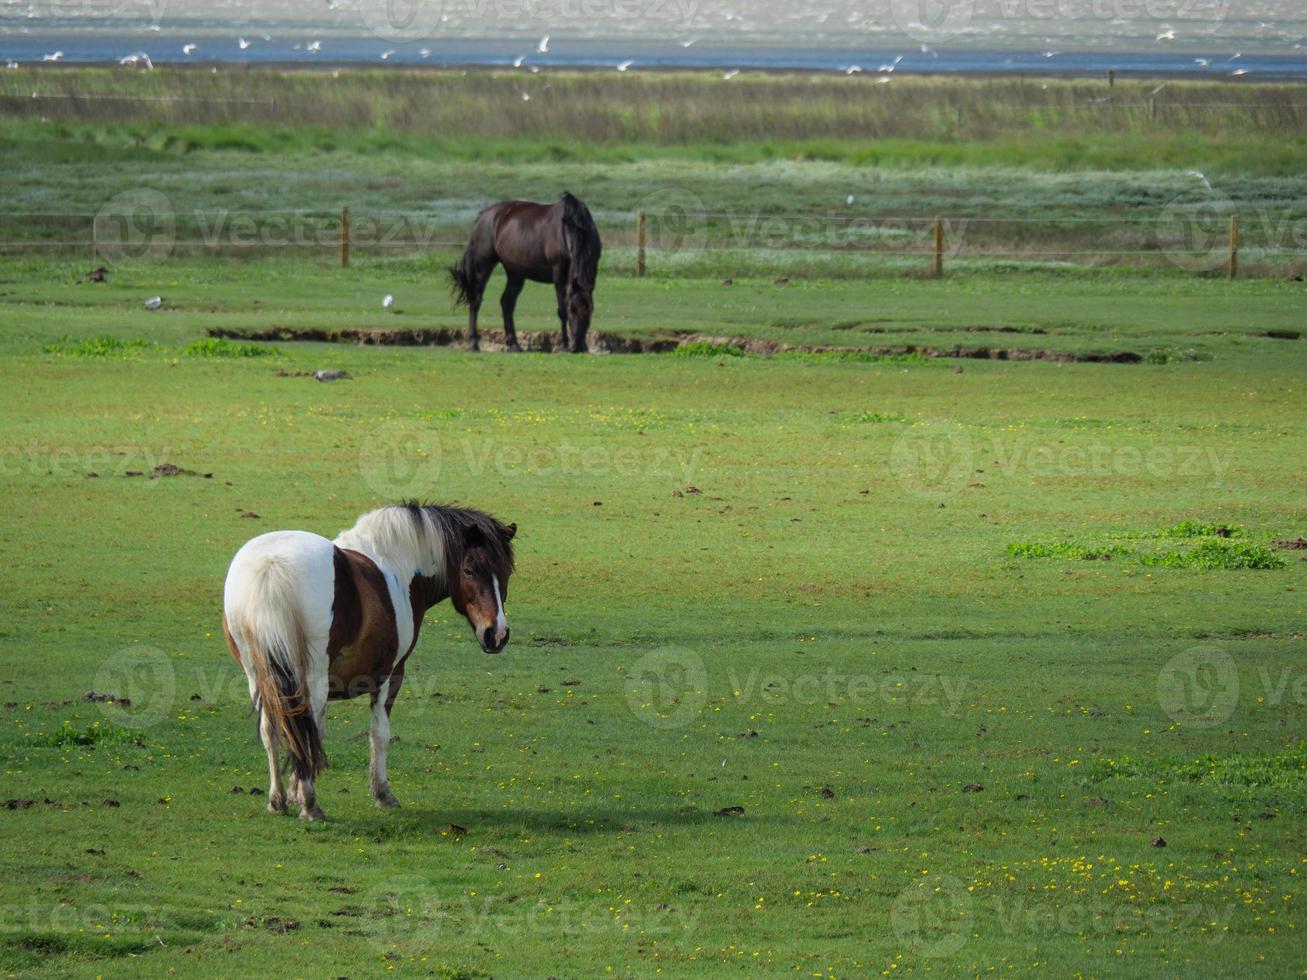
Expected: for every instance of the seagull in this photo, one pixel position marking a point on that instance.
(52, 57)
(154, 27)
(543, 47)
(11, 64)
(519, 62)
(690, 43)
(1236, 56)
(891, 66)
(625, 66)
(853, 70)
(1051, 54)
(1238, 72)
(243, 43)
(1201, 176)
(387, 301)
(188, 48)
(1203, 62)
(385, 55)
(139, 58)
(424, 52)
(313, 47)
(731, 74)
(850, 200)
(1167, 35)
(526, 96)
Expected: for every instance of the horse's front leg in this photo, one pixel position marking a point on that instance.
(379, 740)
(560, 290)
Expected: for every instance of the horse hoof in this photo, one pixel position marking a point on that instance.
(514, 349)
(312, 814)
(474, 347)
(276, 805)
(385, 801)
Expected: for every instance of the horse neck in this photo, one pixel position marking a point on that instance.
(425, 592)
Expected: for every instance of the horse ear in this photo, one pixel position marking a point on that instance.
(510, 532)
(473, 536)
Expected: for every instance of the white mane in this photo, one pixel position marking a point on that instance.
(403, 539)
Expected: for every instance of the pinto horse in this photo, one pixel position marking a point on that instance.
(311, 621)
(555, 243)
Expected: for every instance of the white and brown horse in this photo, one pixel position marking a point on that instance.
(311, 621)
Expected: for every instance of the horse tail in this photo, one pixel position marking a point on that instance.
(582, 239)
(463, 284)
(275, 648)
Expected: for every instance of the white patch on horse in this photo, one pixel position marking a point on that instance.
(501, 621)
(403, 606)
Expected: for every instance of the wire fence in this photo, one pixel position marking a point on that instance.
(1198, 236)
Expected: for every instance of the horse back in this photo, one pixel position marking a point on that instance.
(528, 238)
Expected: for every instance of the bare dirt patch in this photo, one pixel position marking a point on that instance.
(610, 343)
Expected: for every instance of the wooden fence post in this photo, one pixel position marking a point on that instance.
(639, 245)
(344, 237)
(1234, 246)
(939, 248)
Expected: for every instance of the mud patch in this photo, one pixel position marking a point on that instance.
(1299, 544)
(609, 343)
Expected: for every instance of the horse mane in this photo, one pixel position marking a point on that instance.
(403, 538)
(453, 523)
(428, 538)
(582, 238)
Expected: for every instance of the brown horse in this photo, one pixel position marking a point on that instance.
(555, 243)
(311, 620)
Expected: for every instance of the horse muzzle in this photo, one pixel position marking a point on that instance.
(494, 638)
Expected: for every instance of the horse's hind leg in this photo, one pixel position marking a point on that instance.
(308, 796)
(480, 281)
(560, 290)
(508, 303)
(276, 793)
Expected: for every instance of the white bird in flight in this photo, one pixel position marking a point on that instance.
(188, 48)
(1203, 62)
(543, 47)
(52, 57)
(385, 55)
(853, 70)
(731, 74)
(1201, 176)
(243, 43)
(313, 47)
(690, 43)
(1167, 35)
(625, 66)
(139, 58)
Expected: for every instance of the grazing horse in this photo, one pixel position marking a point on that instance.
(311, 620)
(555, 243)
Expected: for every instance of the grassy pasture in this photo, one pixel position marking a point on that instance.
(822, 663)
(849, 584)
(802, 175)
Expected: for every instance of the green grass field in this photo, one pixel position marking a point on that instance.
(839, 633)
(846, 660)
